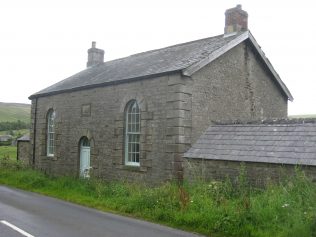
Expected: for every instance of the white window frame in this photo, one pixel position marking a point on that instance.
(132, 134)
(50, 146)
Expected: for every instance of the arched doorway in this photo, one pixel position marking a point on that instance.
(84, 157)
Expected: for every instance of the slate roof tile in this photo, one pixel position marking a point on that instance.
(154, 62)
(283, 144)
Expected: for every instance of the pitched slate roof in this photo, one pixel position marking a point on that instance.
(186, 58)
(277, 143)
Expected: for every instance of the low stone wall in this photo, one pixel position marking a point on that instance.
(258, 174)
(23, 152)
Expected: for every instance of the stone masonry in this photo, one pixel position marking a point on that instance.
(175, 110)
(258, 174)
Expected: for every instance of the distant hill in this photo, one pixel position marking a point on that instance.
(303, 116)
(11, 112)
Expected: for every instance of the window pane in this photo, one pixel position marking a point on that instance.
(133, 128)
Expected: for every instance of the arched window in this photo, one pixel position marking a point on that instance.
(50, 132)
(132, 133)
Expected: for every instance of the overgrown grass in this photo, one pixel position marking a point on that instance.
(8, 151)
(213, 209)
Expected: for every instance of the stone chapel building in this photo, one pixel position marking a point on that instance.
(133, 118)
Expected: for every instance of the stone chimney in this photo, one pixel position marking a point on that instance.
(95, 55)
(236, 20)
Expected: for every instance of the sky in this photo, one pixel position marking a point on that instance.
(43, 42)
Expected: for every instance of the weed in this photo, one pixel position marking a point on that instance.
(212, 208)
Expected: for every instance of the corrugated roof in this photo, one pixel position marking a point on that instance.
(276, 143)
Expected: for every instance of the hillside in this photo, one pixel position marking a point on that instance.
(10, 112)
(303, 116)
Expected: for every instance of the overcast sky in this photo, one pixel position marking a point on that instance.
(43, 42)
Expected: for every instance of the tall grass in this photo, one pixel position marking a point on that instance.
(210, 208)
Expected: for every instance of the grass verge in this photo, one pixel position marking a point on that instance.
(213, 209)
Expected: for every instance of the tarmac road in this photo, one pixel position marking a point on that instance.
(32, 215)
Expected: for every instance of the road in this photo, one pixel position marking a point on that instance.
(32, 215)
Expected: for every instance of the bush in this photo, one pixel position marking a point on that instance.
(16, 125)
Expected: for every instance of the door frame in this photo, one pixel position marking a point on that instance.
(84, 144)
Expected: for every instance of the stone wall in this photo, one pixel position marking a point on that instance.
(236, 86)
(258, 174)
(175, 111)
(23, 152)
(99, 115)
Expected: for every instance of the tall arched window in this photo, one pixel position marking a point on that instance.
(132, 133)
(50, 132)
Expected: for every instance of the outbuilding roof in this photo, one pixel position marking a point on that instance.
(186, 58)
(24, 138)
(293, 143)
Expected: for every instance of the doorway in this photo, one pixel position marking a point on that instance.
(84, 158)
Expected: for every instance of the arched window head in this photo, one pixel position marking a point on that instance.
(132, 133)
(50, 132)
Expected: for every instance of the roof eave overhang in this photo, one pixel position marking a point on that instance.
(189, 71)
(126, 80)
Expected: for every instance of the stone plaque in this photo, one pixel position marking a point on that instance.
(86, 110)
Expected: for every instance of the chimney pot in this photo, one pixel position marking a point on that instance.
(95, 55)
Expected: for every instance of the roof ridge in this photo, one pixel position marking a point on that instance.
(282, 121)
(167, 47)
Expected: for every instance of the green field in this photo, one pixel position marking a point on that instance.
(10, 112)
(8, 151)
(303, 116)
